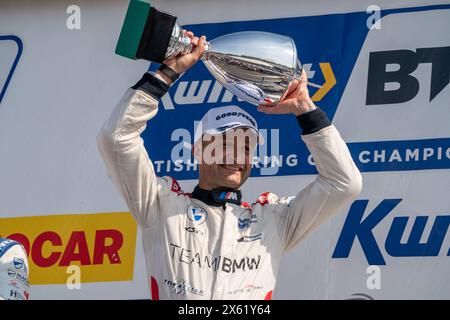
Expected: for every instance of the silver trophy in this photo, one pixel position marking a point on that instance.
(255, 66)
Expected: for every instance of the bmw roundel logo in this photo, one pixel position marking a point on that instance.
(196, 214)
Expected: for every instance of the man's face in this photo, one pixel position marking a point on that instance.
(226, 159)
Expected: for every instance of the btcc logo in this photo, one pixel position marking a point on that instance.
(406, 62)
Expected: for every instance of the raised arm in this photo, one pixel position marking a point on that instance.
(339, 180)
(123, 151)
(122, 147)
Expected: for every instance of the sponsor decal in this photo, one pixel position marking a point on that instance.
(19, 263)
(18, 276)
(246, 205)
(266, 197)
(13, 283)
(235, 114)
(175, 186)
(102, 244)
(244, 223)
(249, 288)
(255, 94)
(207, 261)
(196, 214)
(228, 195)
(195, 230)
(357, 227)
(181, 287)
(250, 238)
(16, 295)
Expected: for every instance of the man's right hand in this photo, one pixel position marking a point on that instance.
(182, 63)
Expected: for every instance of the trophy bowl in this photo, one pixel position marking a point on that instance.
(255, 66)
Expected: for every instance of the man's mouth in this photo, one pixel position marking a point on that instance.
(233, 167)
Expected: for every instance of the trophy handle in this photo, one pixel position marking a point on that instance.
(180, 44)
(186, 46)
(298, 74)
(311, 84)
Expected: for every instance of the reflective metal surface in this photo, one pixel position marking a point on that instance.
(179, 43)
(255, 66)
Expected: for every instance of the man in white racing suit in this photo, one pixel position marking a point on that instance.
(14, 283)
(208, 244)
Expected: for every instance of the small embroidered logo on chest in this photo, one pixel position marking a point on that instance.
(250, 238)
(196, 214)
(244, 223)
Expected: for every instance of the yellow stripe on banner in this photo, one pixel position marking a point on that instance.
(102, 245)
(330, 81)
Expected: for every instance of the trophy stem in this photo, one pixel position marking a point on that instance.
(179, 43)
(313, 85)
(187, 47)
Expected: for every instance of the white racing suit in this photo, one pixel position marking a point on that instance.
(13, 271)
(196, 248)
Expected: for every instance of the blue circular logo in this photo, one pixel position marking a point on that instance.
(196, 214)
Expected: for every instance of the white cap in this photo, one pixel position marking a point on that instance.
(223, 119)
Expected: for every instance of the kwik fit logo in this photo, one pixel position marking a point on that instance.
(358, 228)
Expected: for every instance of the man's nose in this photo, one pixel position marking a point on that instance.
(230, 156)
(239, 156)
